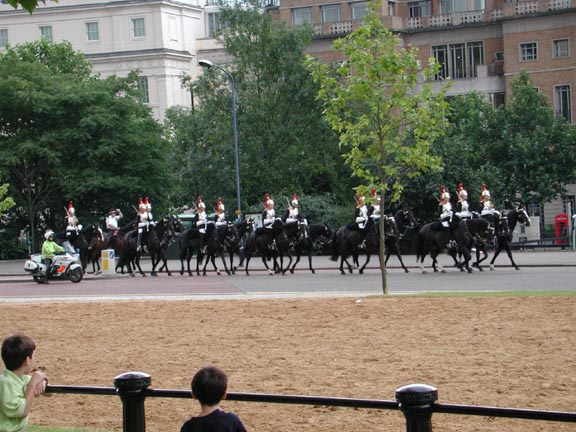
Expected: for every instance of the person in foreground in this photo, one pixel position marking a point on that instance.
(209, 387)
(19, 385)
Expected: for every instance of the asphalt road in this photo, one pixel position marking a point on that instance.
(540, 271)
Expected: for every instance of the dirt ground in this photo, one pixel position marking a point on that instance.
(498, 351)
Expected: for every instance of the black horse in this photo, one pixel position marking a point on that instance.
(433, 238)
(504, 227)
(190, 243)
(271, 243)
(152, 237)
(307, 238)
(214, 240)
(480, 233)
(346, 242)
(80, 240)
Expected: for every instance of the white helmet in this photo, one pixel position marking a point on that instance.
(48, 234)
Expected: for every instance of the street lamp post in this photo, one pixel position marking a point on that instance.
(209, 64)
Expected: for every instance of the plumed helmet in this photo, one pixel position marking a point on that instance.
(112, 211)
(268, 202)
(294, 200)
(48, 234)
(460, 186)
(484, 186)
(442, 188)
(199, 203)
(376, 196)
(360, 200)
(141, 203)
(71, 209)
(147, 204)
(220, 205)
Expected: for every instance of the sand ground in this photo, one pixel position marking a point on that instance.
(498, 351)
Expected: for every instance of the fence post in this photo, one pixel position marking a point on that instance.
(416, 402)
(130, 386)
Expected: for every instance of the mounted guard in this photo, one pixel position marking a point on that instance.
(145, 220)
(294, 222)
(446, 208)
(463, 205)
(487, 204)
(220, 218)
(360, 214)
(374, 210)
(268, 218)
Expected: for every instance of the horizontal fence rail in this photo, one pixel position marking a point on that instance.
(417, 402)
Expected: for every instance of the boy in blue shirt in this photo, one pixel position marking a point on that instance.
(209, 387)
(18, 384)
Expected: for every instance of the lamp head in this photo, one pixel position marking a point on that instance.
(205, 63)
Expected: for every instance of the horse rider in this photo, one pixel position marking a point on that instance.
(49, 249)
(201, 222)
(145, 219)
(446, 208)
(114, 215)
(268, 218)
(375, 209)
(486, 202)
(361, 213)
(464, 212)
(72, 227)
(220, 219)
(293, 219)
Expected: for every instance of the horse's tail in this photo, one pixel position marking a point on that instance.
(419, 246)
(334, 247)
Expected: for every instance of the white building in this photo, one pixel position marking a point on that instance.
(156, 37)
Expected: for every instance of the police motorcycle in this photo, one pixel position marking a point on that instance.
(64, 266)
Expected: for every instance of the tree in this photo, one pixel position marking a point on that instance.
(29, 5)
(384, 120)
(534, 150)
(285, 145)
(65, 135)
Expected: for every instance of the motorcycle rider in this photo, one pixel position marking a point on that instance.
(49, 249)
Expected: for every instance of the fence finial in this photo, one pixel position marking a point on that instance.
(130, 386)
(416, 401)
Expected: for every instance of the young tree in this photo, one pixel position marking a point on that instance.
(385, 120)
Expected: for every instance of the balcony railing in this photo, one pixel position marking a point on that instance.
(455, 19)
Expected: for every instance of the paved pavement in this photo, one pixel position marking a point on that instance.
(540, 271)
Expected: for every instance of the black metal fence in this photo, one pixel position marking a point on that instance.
(416, 401)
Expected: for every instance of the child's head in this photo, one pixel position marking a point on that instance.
(209, 385)
(16, 349)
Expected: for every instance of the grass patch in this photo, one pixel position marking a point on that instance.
(499, 294)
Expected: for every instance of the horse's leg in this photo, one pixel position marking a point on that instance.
(309, 261)
(270, 272)
(496, 253)
(289, 261)
(509, 252)
(223, 258)
(296, 261)
(137, 262)
(399, 259)
(361, 270)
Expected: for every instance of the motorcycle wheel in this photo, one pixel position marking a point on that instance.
(38, 279)
(75, 275)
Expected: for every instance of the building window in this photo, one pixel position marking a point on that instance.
(418, 9)
(142, 85)
(301, 16)
(528, 51)
(138, 28)
(3, 38)
(359, 10)
(214, 24)
(560, 48)
(452, 6)
(563, 102)
(458, 60)
(92, 31)
(46, 33)
(331, 14)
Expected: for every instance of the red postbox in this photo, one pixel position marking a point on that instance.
(561, 226)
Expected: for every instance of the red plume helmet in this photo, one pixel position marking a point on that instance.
(360, 200)
(373, 193)
(70, 205)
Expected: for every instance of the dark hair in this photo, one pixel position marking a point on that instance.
(16, 349)
(209, 385)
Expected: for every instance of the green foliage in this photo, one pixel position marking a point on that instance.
(65, 135)
(521, 151)
(285, 145)
(29, 5)
(385, 122)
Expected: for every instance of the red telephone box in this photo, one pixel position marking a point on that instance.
(561, 226)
